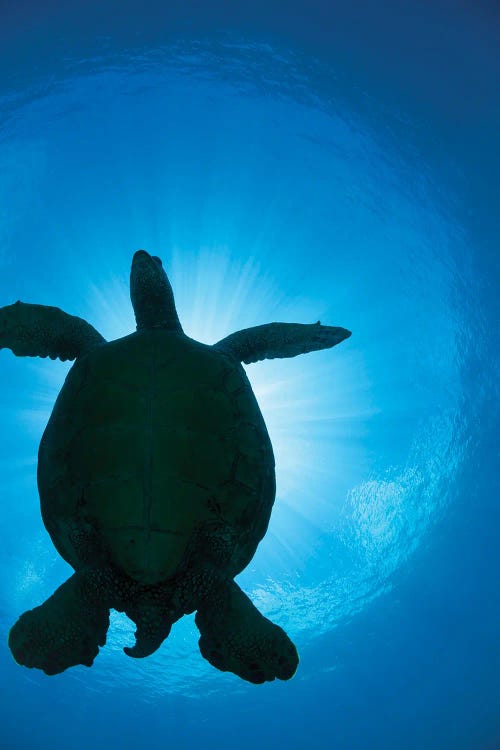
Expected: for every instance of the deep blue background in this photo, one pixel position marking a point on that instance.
(288, 163)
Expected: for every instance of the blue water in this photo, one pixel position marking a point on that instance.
(285, 170)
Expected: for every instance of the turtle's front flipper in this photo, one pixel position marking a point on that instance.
(280, 340)
(67, 629)
(235, 637)
(42, 331)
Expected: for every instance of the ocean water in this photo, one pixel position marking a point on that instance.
(321, 165)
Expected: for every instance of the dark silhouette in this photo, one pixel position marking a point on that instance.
(156, 478)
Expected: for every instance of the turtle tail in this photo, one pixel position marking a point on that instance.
(154, 623)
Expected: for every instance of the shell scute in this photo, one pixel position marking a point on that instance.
(212, 462)
(247, 472)
(172, 451)
(246, 406)
(113, 503)
(177, 505)
(202, 409)
(96, 454)
(233, 378)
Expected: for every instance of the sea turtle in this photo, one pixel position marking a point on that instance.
(156, 480)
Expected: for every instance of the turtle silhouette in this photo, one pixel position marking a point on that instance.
(156, 479)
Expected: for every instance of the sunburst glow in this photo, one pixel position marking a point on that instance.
(274, 215)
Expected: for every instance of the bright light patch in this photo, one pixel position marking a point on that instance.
(217, 294)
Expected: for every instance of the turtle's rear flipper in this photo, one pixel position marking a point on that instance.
(235, 637)
(64, 631)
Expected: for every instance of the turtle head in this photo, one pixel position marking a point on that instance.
(151, 294)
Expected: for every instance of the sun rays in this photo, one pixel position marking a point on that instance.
(292, 229)
(217, 293)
